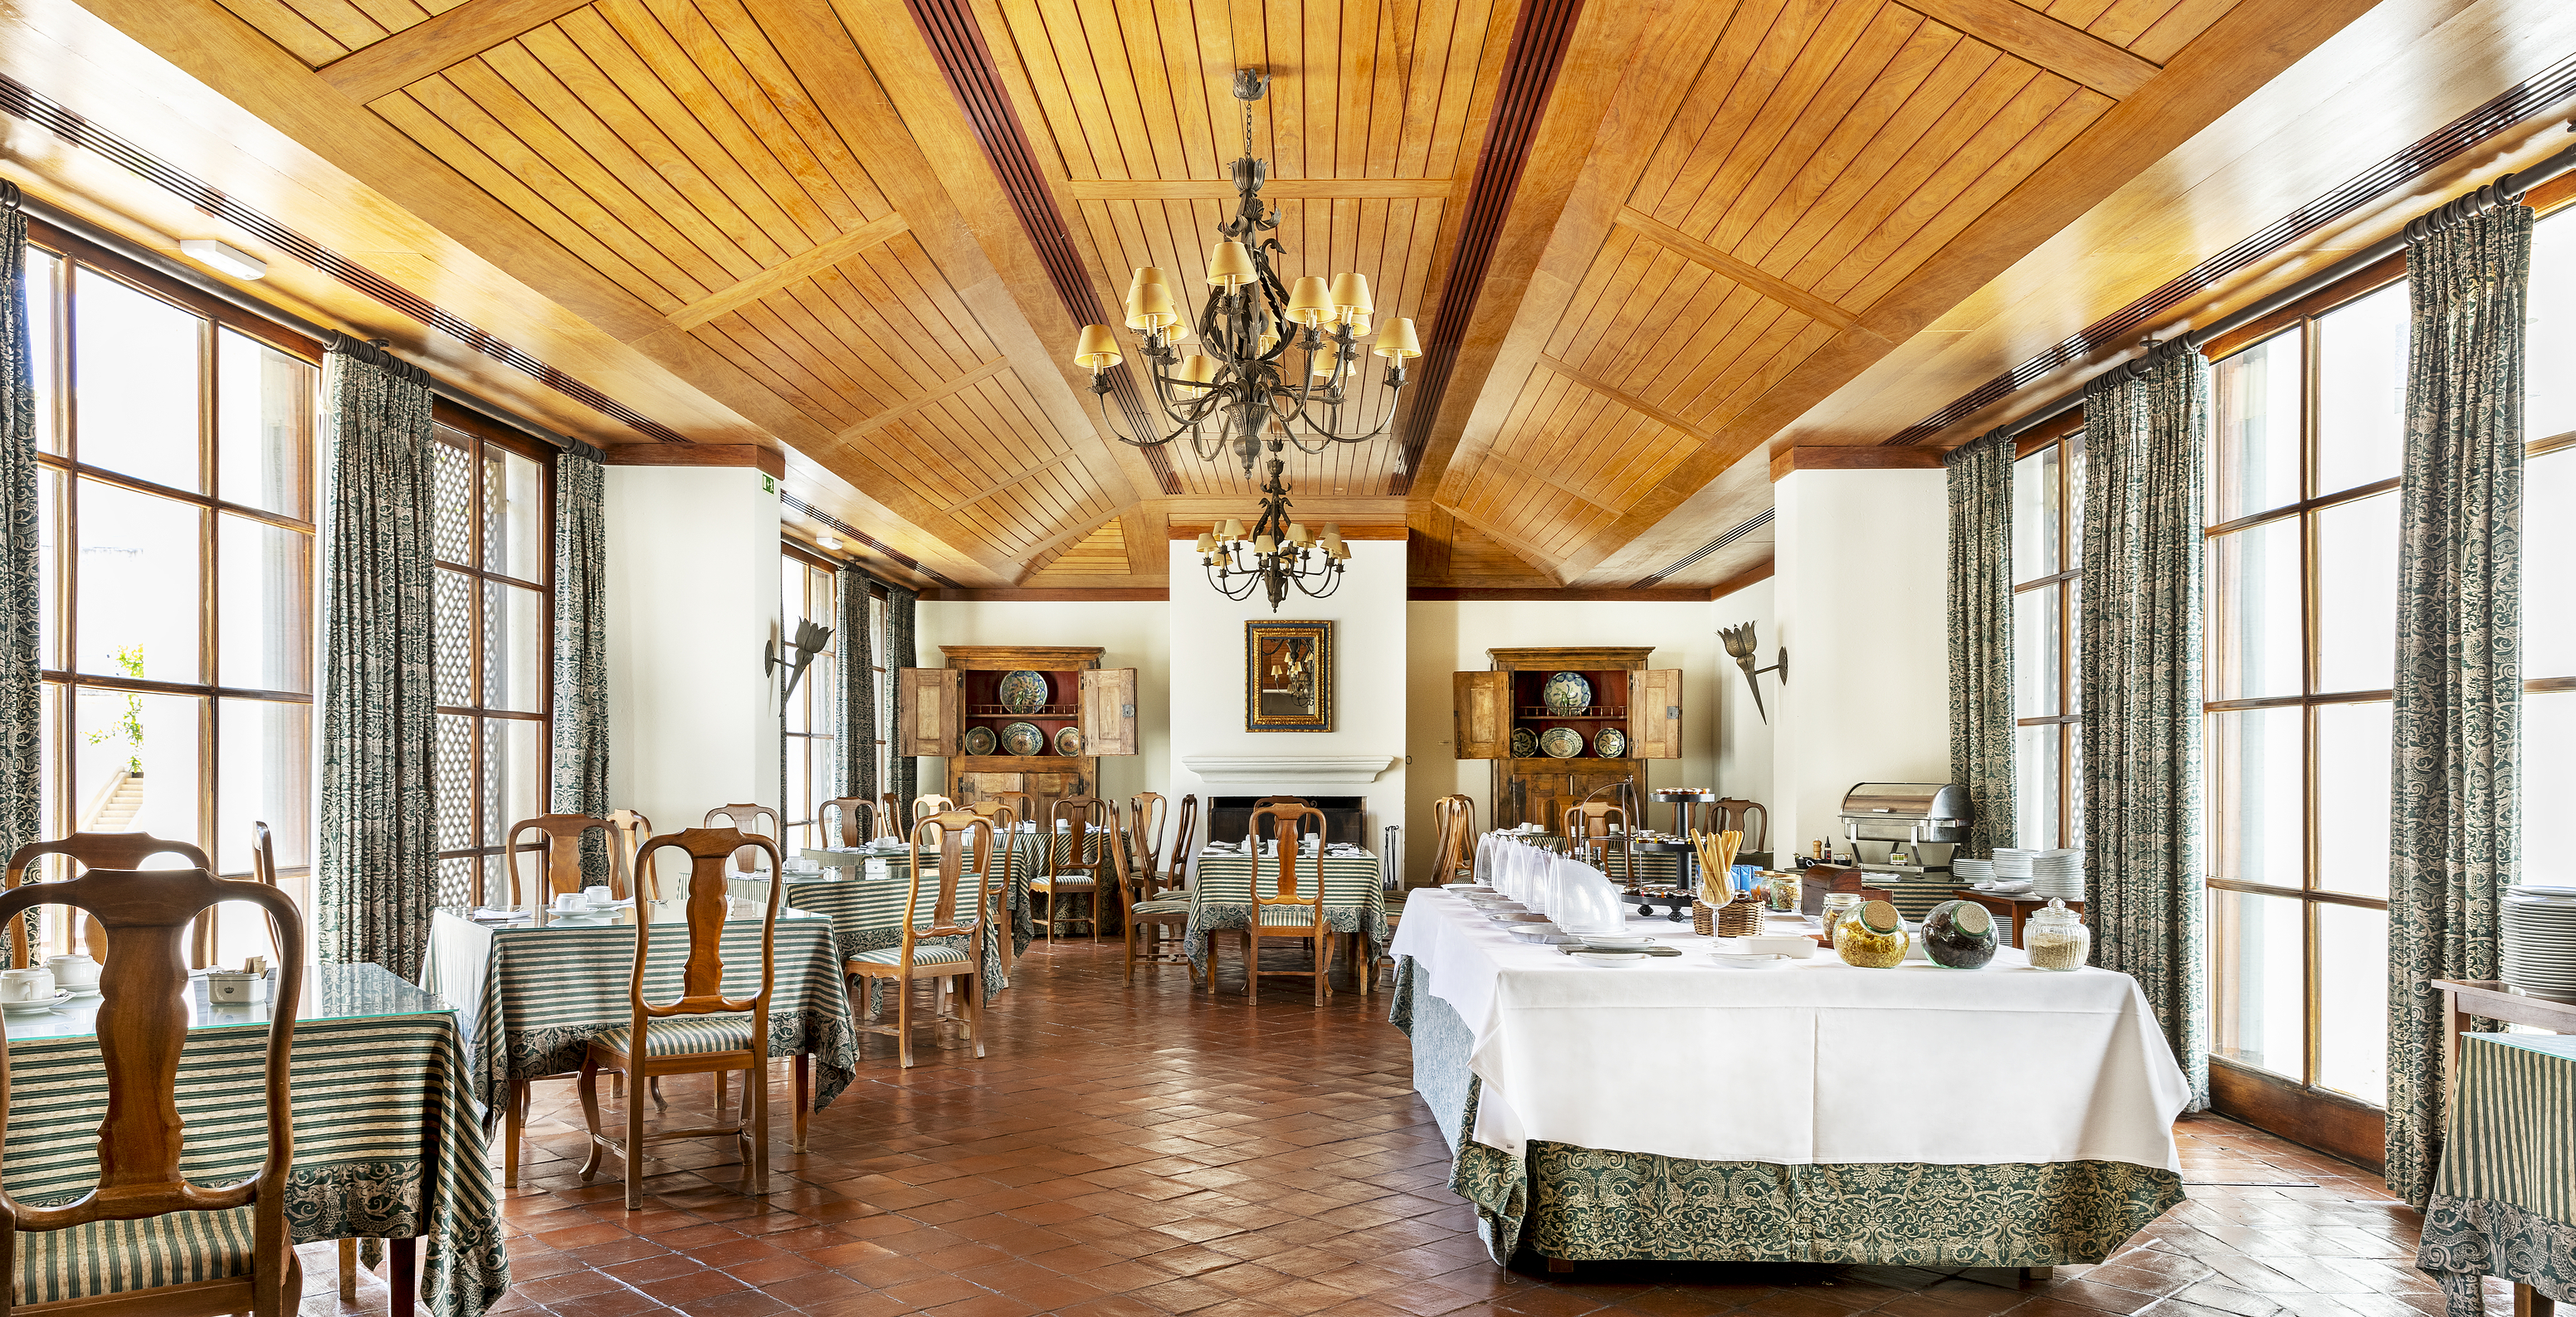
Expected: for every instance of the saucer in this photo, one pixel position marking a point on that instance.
(1750, 960)
(32, 1007)
(1619, 941)
(83, 994)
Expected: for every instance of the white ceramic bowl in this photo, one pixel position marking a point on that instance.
(1535, 929)
(1617, 940)
(1789, 945)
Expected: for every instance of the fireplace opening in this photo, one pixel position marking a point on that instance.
(1345, 817)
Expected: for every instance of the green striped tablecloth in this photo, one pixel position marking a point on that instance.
(867, 912)
(387, 1145)
(2504, 1202)
(1027, 862)
(1221, 895)
(530, 998)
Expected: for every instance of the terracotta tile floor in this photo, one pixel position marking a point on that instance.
(1130, 1153)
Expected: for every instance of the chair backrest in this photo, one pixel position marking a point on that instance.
(702, 977)
(949, 831)
(1135, 883)
(558, 851)
(1454, 818)
(1286, 823)
(263, 869)
(856, 816)
(748, 820)
(89, 850)
(1178, 874)
(1024, 806)
(931, 803)
(1267, 801)
(1001, 814)
(890, 819)
(142, 1029)
(1734, 813)
(626, 833)
(1089, 831)
(1147, 813)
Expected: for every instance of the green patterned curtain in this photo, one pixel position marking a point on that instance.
(20, 690)
(1981, 639)
(905, 769)
(374, 871)
(2454, 827)
(857, 723)
(580, 756)
(2146, 434)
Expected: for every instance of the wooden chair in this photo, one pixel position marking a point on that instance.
(1267, 801)
(1454, 817)
(890, 819)
(1005, 818)
(559, 850)
(931, 803)
(93, 850)
(626, 833)
(1142, 911)
(1588, 825)
(98, 1253)
(263, 869)
(1148, 812)
(708, 1033)
(1735, 814)
(1023, 805)
(1289, 911)
(1178, 875)
(1075, 861)
(909, 962)
(857, 819)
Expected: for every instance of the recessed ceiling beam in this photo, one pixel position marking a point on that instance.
(1624, 399)
(460, 34)
(1296, 189)
(913, 404)
(2068, 52)
(812, 261)
(1744, 273)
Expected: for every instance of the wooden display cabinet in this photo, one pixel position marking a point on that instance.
(1645, 703)
(938, 705)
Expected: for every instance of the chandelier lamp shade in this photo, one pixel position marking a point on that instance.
(1274, 555)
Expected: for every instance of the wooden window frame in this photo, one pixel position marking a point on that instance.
(806, 562)
(480, 433)
(2059, 434)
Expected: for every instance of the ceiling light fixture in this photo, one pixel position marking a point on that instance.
(223, 257)
(827, 542)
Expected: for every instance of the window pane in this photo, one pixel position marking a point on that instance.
(2254, 437)
(2257, 981)
(514, 542)
(134, 766)
(2352, 798)
(138, 609)
(2255, 785)
(2034, 640)
(2254, 613)
(2548, 545)
(452, 636)
(44, 346)
(264, 774)
(514, 779)
(451, 497)
(2035, 778)
(2034, 494)
(825, 779)
(2548, 783)
(2361, 390)
(2074, 446)
(51, 644)
(263, 425)
(2352, 1001)
(263, 606)
(2357, 595)
(513, 641)
(2550, 394)
(135, 366)
(452, 783)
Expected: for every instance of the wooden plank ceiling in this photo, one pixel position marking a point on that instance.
(1730, 210)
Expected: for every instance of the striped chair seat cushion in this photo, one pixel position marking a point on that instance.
(1289, 916)
(684, 1035)
(1163, 905)
(1065, 883)
(924, 953)
(114, 1257)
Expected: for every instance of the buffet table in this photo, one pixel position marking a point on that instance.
(1919, 1116)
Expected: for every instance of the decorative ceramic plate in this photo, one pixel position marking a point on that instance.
(1566, 693)
(1561, 742)
(1610, 743)
(1524, 743)
(1024, 691)
(1068, 741)
(979, 740)
(1023, 739)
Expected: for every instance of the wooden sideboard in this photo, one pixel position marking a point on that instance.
(1641, 702)
(938, 705)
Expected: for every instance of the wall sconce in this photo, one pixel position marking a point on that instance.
(1741, 646)
(810, 640)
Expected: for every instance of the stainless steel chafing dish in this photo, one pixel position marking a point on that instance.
(1905, 817)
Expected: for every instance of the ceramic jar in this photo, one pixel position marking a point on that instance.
(1838, 905)
(1872, 937)
(1959, 934)
(2056, 939)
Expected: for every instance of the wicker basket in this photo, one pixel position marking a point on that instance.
(1703, 918)
(1741, 917)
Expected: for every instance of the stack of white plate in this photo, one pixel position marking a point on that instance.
(2540, 939)
(1972, 871)
(2012, 862)
(2057, 873)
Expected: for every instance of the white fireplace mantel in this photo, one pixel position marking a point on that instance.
(1280, 772)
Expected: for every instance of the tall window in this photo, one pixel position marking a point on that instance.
(2301, 634)
(806, 591)
(492, 538)
(2548, 546)
(175, 528)
(2048, 554)
(880, 642)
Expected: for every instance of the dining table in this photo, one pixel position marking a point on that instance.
(1675, 1108)
(1221, 884)
(387, 1141)
(866, 906)
(529, 997)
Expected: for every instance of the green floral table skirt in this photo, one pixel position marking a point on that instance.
(2504, 1202)
(1589, 1204)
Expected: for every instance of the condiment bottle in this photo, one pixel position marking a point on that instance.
(2056, 939)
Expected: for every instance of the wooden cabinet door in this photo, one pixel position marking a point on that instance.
(928, 711)
(1109, 711)
(1484, 714)
(982, 788)
(1052, 787)
(1655, 714)
(1543, 796)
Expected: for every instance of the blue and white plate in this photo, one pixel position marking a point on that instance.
(1566, 693)
(1561, 742)
(1023, 739)
(1524, 743)
(1610, 743)
(1024, 691)
(979, 740)
(1068, 742)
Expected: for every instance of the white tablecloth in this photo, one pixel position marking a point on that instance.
(1819, 1063)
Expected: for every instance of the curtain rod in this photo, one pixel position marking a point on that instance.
(241, 301)
(2511, 185)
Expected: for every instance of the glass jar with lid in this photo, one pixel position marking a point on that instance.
(2056, 938)
(1838, 905)
(1873, 937)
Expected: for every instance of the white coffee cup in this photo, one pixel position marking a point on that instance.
(597, 895)
(78, 973)
(26, 985)
(571, 903)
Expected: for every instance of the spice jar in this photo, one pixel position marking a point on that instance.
(1784, 886)
(2056, 938)
(1959, 934)
(1873, 937)
(1837, 906)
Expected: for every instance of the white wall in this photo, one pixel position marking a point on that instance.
(1860, 594)
(1133, 634)
(1448, 637)
(693, 573)
(1369, 687)
(1744, 739)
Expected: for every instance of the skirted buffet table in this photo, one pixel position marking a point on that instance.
(1679, 1111)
